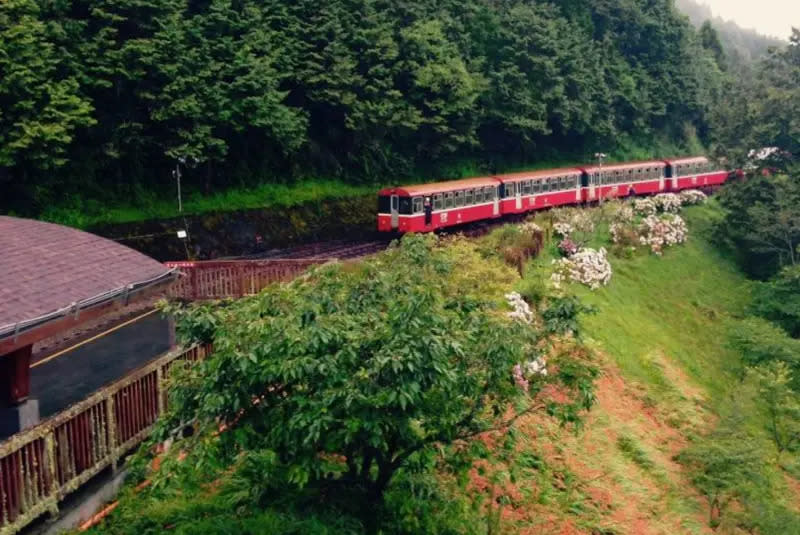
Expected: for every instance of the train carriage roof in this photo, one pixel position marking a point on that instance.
(625, 166)
(440, 187)
(542, 173)
(688, 159)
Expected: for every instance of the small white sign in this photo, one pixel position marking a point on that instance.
(182, 234)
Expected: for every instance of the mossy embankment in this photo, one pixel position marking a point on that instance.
(234, 233)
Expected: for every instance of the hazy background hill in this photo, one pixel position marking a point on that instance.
(742, 44)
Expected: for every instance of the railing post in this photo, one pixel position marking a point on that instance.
(111, 421)
(50, 459)
(160, 390)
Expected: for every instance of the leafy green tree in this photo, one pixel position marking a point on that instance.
(352, 373)
(760, 342)
(781, 403)
(778, 300)
(40, 107)
(724, 463)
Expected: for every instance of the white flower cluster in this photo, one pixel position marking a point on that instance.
(668, 202)
(563, 229)
(530, 227)
(522, 312)
(582, 221)
(536, 367)
(624, 214)
(658, 232)
(645, 206)
(587, 266)
(617, 230)
(533, 367)
(693, 196)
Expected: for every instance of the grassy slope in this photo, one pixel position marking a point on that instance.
(660, 337)
(661, 334)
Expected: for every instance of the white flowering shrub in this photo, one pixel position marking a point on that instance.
(692, 196)
(563, 229)
(624, 214)
(668, 202)
(582, 221)
(530, 227)
(588, 266)
(521, 310)
(645, 206)
(658, 232)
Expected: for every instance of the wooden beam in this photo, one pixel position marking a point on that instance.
(15, 376)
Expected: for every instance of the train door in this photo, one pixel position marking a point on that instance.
(593, 180)
(395, 212)
(496, 201)
(428, 212)
(518, 195)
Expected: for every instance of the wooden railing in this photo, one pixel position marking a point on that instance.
(220, 279)
(40, 466)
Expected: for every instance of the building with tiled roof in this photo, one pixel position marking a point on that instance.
(55, 278)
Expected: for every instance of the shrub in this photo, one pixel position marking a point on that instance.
(587, 266)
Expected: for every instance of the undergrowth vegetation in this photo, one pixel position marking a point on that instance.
(443, 387)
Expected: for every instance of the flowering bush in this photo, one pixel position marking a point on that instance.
(567, 247)
(624, 214)
(582, 221)
(668, 202)
(563, 229)
(645, 206)
(587, 266)
(522, 372)
(693, 196)
(530, 227)
(662, 231)
(522, 312)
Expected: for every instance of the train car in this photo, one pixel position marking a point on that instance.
(620, 180)
(533, 190)
(428, 207)
(696, 172)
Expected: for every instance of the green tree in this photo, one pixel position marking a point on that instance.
(724, 463)
(778, 300)
(781, 403)
(40, 107)
(345, 377)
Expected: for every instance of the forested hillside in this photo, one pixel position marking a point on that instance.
(741, 44)
(100, 99)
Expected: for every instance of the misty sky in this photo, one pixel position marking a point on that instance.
(771, 17)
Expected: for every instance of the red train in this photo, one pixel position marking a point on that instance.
(428, 207)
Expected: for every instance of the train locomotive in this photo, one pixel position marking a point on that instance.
(428, 207)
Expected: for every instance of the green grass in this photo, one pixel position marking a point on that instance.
(677, 305)
(83, 213)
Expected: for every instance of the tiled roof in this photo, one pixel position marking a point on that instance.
(46, 267)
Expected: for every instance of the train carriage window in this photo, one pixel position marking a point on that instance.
(448, 201)
(468, 197)
(536, 187)
(459, 199)
(478, 195)
(526, 187)
(417, 201)
(562, 183)
(489, 194)
(405, 205)
(437, 202)
(384, 206)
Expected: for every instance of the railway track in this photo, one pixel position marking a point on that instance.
(340, 249)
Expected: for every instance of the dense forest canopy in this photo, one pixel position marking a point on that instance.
(102, 98)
